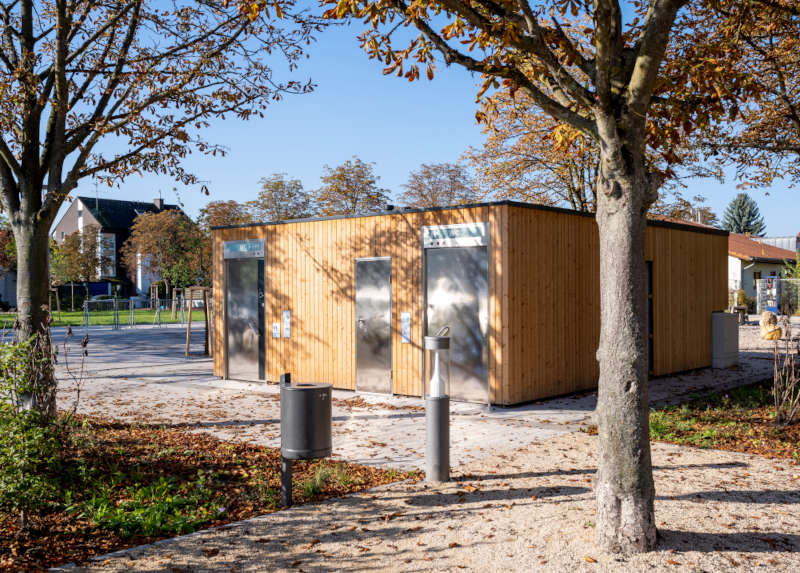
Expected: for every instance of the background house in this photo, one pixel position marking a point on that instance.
(115, 219)
(750, 260)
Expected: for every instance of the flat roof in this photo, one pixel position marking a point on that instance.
(688, 226)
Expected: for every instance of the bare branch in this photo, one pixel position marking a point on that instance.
(651, 51)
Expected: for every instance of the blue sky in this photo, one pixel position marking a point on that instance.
(355, 110)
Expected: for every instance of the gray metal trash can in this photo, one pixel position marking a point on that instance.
(305, 421)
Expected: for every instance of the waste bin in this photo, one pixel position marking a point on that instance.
(305, 421)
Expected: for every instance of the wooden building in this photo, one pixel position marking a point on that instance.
(520, 283)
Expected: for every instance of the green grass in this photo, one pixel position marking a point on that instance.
(741, 419)
(162, 507)
(101, 318)
(314, 485)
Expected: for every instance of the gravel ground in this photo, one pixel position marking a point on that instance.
(141, 375)
(521, 498)
(716, 511)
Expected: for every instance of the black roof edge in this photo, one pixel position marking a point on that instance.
(86, 199)
(508, 202)
(771, 260)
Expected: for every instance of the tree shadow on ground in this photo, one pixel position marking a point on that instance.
(740, 496)
(455, 498)
(592, 470)
(740, 542)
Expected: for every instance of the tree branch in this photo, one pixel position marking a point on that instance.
(648, 59)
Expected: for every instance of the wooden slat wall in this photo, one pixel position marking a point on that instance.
(543, 264)
(554, 289)
(310, 271)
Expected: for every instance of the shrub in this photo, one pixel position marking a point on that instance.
(743, 300)
(786, 382)
(28, 464)
(29, 442)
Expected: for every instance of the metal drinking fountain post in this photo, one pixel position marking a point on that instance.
(437, 407)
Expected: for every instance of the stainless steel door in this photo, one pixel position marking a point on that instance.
(457, 295)
(244, 319)
(374, 325)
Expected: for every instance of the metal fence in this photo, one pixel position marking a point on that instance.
(781, 296)
(119, 313)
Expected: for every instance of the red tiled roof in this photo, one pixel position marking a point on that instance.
(743, 247)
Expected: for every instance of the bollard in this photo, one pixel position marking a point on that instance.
(437, 439)
(437, 408)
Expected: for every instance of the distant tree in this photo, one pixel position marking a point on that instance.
(693, 209)
(82, 256)
(171, 245)
(528, 156)
(220, 213)
(8, 251)
(281, 198)
(742, 216)
(63, 268)
(351, 188)
(792, 271)
(439, 185)
(762, 141)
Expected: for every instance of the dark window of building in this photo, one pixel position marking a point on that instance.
(756, 277)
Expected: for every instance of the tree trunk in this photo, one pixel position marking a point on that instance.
(72, 296)
(624, 483)
(32, 306)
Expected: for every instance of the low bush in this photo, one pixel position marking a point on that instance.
(29, 443)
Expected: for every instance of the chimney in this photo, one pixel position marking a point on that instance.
(747, 234)
(159, 203)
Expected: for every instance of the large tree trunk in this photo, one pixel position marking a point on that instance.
(624, 484)
(32, 312)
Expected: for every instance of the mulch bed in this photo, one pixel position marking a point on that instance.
(242, 481)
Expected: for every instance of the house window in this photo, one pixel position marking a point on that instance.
(62, 235)
(756, 278)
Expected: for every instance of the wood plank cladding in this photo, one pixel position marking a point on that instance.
(310, 271)
(554, 288)
(544, 303)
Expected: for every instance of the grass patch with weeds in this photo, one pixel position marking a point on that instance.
(741, 420)
(124, 484)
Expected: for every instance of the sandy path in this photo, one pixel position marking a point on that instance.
(716, 511)
(522, 499)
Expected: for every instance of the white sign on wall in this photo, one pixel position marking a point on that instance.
(276, 330)
(247, 249)
(287, 323)
(405, 327)
(459, 235)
